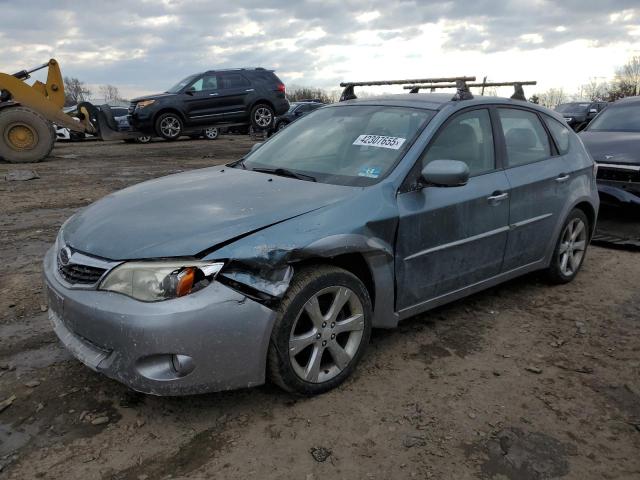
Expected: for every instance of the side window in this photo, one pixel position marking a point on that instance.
(197, 85)
(234, 80)
(467, 138)
(314, 106)
(524, 136)
(210, 83)
(560, 133)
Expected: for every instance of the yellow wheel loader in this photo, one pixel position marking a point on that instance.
(28, 112)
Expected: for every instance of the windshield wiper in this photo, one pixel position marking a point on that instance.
(284, 172)
(238, 162)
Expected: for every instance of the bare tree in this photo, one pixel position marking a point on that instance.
(552, 97)
(628, 76)
(595, 90)
(109, 93)
(75, 91)
(296, 94)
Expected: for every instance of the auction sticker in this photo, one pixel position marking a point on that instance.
(394, 143)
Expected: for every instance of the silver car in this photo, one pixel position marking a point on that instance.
(357, 216)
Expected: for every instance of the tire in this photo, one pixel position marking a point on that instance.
(143, 139)
(25, 135)
(295, 370)
(169, 126)
(570, 249)
(262, 116)
(211, 133)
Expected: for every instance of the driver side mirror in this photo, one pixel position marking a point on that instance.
(445, 173)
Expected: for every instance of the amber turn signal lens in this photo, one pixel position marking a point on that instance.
(185, 281)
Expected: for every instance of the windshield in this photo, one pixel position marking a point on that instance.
(182, 83)
(618, 119)
(572, 107)
(345, 145)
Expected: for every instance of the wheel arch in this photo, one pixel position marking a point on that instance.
(169, 110)
(590, 212)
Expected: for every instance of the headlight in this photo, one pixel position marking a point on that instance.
(144, 103)
(154, 281)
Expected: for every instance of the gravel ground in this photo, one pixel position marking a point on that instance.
(523, 381)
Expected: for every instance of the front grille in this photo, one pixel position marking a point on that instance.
(84, 274)
(618, 175)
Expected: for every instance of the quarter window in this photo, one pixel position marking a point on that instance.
(560, 133)
(467, 138)
(524, 135)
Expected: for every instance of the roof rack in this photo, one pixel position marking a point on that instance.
(518, 93)
(460, 83)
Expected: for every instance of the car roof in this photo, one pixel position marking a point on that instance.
(625, 100)
(244, 69)
(437, 101)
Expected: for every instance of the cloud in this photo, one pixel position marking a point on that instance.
(146, 45)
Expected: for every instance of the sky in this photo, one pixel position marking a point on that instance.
(145, 46)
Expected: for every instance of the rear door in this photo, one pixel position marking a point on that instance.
(450, 238)
(539, 180)
(233, 93)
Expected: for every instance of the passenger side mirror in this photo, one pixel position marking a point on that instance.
(593, 110)
(446, 173)
(190, 90)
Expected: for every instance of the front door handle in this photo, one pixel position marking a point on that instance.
(497, 198)
(213, 94)
(563, 177)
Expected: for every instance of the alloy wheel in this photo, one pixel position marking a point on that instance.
(170, 127)
(572, 246)
(211, 133)
(326, 334)
(263, 117)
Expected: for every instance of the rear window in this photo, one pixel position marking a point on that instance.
(560, 133)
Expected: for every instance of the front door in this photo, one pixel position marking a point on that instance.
(202, 100)
(452, 237)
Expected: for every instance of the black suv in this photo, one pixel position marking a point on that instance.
(579, 114)
(296, 110)
(218, 97)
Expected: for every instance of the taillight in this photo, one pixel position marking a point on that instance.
(281, 87)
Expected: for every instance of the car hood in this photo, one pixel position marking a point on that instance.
(154, 96)
(613, 147)
(186, 214)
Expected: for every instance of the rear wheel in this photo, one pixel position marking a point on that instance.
(25, 135)
(262, 116)
(211, 133)
(143, 139)
(570, 249)
(321, 331)
(169, 126)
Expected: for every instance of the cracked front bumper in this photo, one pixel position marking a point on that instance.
(224, 333)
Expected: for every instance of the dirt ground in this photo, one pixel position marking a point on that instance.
(524, 381)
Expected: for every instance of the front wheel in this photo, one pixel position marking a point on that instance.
(262, 117)
(571, 248)
(321, 331)
(25, 135)
(169, 126)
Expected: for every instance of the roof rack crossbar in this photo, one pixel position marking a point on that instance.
(518, 93)
(348, 93)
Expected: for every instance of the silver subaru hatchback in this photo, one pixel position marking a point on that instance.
(277, 266)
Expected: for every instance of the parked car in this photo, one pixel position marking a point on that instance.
(613, 139)
(121, 117)
(579, 114)
(359, 215)
(63, 133)
(215, 98)
(296, 111)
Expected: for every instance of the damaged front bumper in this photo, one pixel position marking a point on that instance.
(214, 339)
(619, 184)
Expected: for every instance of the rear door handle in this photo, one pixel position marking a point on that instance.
(213, 94)
(250, 90)
(563, 177)
(497, 197)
